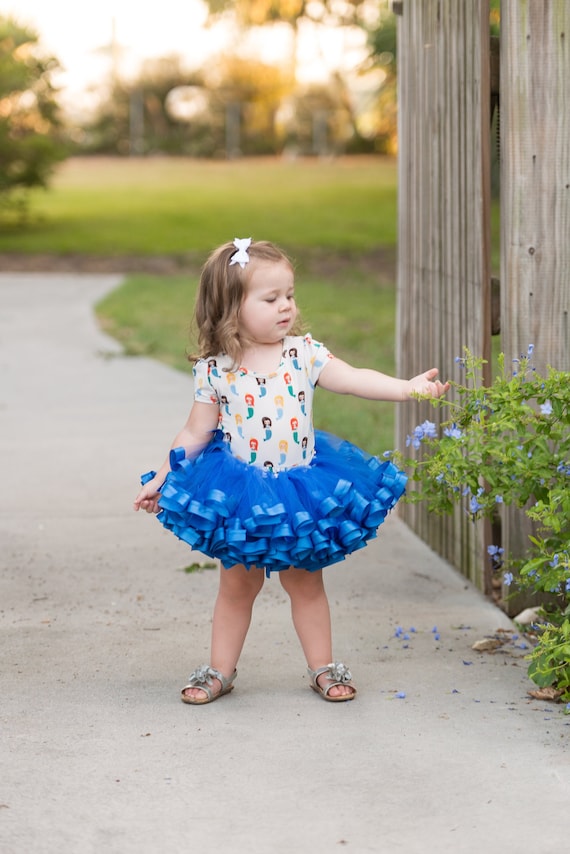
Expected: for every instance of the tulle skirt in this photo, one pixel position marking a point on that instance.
(307, 516)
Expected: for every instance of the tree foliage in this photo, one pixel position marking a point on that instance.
(260, 12)
(137, 117)
(30, 144)
(256, 90)
(134, 117)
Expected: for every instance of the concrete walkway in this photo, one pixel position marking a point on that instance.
(100, 627)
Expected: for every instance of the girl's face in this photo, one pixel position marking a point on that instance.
(268, 310)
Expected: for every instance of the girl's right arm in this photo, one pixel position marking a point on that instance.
(194, 436)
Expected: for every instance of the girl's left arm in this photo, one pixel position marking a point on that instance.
(342, 378)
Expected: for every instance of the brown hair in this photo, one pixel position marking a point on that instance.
(220, 295)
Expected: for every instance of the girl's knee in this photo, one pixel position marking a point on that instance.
(241, 583)
(300, 582)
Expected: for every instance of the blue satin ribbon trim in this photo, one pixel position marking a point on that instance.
(307, 517)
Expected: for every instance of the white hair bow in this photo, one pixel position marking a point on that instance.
(241, 257)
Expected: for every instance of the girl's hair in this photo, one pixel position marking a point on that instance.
(221, 292)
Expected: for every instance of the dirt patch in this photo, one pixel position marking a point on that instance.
(380, 262)
(160, 265)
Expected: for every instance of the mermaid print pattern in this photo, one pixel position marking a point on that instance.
(269, 411)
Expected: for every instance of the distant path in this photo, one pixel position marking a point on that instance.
(381, 261)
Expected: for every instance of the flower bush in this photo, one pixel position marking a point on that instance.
(509, 443)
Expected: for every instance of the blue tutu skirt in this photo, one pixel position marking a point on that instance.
(307, 517)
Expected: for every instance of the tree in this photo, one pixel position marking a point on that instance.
(134, 117)
(319, 119)
(257, 13)
(30, 141)
(253, 91)
(382, 114)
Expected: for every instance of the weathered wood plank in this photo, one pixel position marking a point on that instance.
(535, 195)
(443, 275)
(535, 179)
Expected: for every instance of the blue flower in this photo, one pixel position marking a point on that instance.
(508, 579)
(474, 504)
(498, 499)
(416, 438)
(530, 350)
(546, 408)
(453, 432)
(495, 553)
(430, 430)
(427, 430)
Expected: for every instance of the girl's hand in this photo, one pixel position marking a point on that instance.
(147, 499)
(427, 384)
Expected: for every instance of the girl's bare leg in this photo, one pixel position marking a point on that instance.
(237, 592)
(311, 618)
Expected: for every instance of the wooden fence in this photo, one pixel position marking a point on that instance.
(444, 299)
(444, 286)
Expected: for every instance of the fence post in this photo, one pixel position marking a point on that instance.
(535, 197)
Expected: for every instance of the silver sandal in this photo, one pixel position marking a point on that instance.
(337, 674)
(203, 678)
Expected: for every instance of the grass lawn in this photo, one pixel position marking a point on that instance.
(114, 206)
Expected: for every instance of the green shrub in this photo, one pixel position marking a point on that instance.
(509, 443)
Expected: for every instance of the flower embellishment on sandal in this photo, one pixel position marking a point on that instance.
(241, 257)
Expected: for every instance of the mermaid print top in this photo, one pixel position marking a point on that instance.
(267, 419)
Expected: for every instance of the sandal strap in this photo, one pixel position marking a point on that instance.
(203, 678)
(337, 674)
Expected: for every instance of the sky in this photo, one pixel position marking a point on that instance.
(78, 33)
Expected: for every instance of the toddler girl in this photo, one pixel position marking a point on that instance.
(250, 482)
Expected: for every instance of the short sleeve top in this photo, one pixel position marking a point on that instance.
(266, 418)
